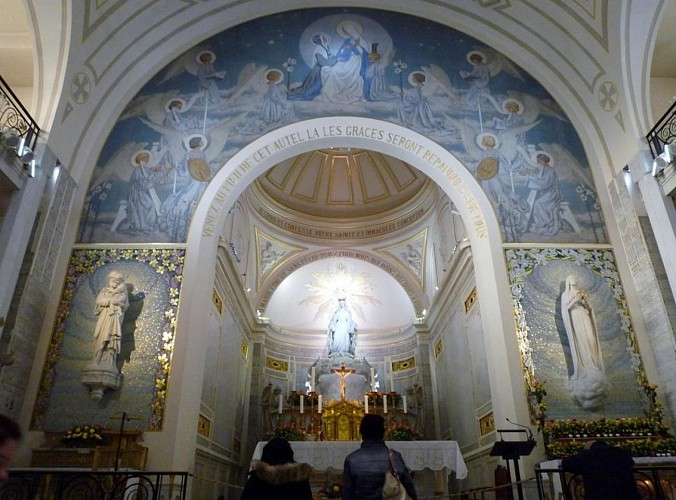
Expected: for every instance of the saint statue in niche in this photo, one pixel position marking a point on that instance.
(111, 304)
(588, 381)
(342, 331)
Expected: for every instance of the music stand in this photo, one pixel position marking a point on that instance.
(513, 450)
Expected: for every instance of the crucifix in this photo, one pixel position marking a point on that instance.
(343, 372)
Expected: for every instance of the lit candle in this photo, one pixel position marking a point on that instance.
(373, 379)
(384, 403)
(312, 383)
(301, 403)
(280, 404)
(319, 404)
(405, 407)
(366, 403)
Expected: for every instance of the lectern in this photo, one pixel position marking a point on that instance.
(513, 450)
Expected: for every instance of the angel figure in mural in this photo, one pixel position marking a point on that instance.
(343, 82)
(520, 108)
(208, 77)
(110, 306)
(499, 157)
(544, 198)
(178, 207)
(588, 382)
(486, 63)
(342, 330)
(412, 256)
(414, 110)
(276, 110)
(478, 79)
(269, 255)
(569, 170)
(512, 115)
(143, 203)
(176, 117)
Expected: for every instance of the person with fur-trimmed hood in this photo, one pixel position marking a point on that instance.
(276, 475)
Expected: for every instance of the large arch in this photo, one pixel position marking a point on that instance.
(505, 374)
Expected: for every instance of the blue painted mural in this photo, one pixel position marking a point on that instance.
(217, 97)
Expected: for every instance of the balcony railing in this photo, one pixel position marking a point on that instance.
(664, 132)
(15, 118)
(654, 482)
(53, 484)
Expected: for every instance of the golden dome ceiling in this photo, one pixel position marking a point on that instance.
(343, 184)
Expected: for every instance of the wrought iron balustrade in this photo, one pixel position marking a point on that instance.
(654, 482)
(664, 132)
(15, 118)
(64, 484)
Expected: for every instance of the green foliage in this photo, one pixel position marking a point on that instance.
(289, 433)
(401, 432)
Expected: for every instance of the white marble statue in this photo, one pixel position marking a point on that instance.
(342, 331)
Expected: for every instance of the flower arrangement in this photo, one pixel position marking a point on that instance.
(332, 490)
(642, 437)
(401, 432)
(619, 427)
(83, 435)
(289, 433)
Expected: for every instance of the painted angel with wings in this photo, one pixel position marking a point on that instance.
(486, 63)
(521, 108)
(497, 157)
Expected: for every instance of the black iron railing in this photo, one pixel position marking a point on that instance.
(63, 484)
(654, 482)
(664, 132)
(15, 118)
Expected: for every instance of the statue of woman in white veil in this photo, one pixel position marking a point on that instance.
(588, 382)
(341, 331)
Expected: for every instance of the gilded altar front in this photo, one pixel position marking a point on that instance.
(341, 420)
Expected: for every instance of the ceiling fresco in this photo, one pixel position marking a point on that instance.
(216, 98)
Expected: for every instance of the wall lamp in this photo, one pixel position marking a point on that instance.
(13, 140)
(664, 159)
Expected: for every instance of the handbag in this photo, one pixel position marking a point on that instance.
(393, 489)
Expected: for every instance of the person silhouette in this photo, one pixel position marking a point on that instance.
(607, 471)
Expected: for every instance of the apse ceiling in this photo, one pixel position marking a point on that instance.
(342, 183)
(347, 191)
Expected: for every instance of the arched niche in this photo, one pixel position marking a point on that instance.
(250, 162)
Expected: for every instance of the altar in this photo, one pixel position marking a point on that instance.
(418, 455)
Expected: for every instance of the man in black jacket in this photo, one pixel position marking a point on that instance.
(607, 472)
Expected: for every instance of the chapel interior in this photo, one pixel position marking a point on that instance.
(228, 335)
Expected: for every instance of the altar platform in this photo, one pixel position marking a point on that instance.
(418, 455)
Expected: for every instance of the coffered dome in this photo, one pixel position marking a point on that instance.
(343, 183)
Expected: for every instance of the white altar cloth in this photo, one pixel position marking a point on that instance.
(418, 455)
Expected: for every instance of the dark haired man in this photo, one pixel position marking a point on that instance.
(10, 437)
(364, 469)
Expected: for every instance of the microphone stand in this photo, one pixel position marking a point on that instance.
(513, 450)
(124, 418)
